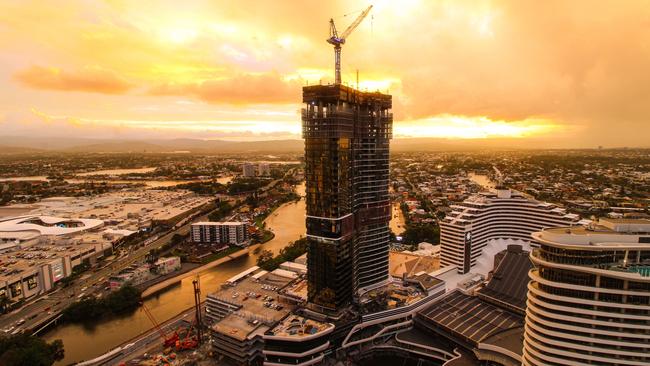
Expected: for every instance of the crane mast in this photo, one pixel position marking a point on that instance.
(337, 41)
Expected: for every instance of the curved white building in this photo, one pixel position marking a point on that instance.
(589, 296)
(23, 228)
(499, 214)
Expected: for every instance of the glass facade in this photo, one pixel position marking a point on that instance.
(347, 135)
(586, 305)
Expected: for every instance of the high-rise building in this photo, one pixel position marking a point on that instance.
(227, 232)
(248, 170)
(347, 135)
(264, 170)
(589, 295)
(498, 214)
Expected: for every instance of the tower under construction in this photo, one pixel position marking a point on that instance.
(347, 134)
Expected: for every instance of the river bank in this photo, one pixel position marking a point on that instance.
(84, 343)
(155, 288)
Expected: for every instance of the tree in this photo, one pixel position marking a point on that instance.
(415, 234)
(4, 303)
(26, 350)
(224, 208)
(264, 257)
(177, 239)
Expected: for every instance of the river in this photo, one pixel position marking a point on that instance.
(482, 180)
(148, 182)
(116, 172)
(82, 343)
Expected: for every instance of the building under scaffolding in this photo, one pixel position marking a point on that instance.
(347, 134)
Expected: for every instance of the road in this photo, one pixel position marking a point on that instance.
(47, 306)
(43, 308)
(151, 340)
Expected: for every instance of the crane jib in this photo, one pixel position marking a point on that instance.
(337, 41)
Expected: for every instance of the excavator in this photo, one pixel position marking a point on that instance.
(188, 342)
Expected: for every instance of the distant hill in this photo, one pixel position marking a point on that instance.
(18, 144)
(18, 150)
(77, 145)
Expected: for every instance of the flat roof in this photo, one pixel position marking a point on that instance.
(217, 223)
(415, 335)
(511, 339)
(391, 296)
(242, 274)
(298, 326)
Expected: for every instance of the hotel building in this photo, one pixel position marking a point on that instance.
(589, 295)
(498, 214)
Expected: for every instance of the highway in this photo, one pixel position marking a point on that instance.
(40, 310)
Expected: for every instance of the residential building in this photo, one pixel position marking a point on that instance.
(227, 232)
(497, 214)
(347, 135)
(248, 170)
(589, 295)
(264, 170)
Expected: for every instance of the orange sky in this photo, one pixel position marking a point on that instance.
(572, 72)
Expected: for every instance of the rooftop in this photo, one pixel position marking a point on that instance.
(607, 226)
(47, 225)
(469, 318)
(391, 296)
(509, 282)
(298, 326)
(258, 299)
(217, 223)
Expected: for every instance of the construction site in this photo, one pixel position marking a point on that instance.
(263, 317)
(180, 341)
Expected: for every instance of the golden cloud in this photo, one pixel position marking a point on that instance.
(91, 79)
(268, 88)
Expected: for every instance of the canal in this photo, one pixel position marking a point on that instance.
(482, 180)
(83, 343)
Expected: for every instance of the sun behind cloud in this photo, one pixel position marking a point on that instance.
(456, 69)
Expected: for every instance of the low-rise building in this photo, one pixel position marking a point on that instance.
(38, 251)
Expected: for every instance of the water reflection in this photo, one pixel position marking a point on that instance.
(81, 343)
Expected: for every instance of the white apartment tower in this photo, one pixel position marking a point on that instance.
(264, 170)
(498, 214)
(248, 170)
(235, 233)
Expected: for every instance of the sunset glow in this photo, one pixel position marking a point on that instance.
(208, 69)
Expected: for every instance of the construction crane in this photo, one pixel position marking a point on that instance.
(197, 307)
(168, 341)
(337, 41)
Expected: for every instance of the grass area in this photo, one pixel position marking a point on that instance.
(267, 261)
(266, 236)
(214, 256)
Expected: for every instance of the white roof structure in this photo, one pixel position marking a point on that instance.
(47, 225)
(284, 273)
(217, 223)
